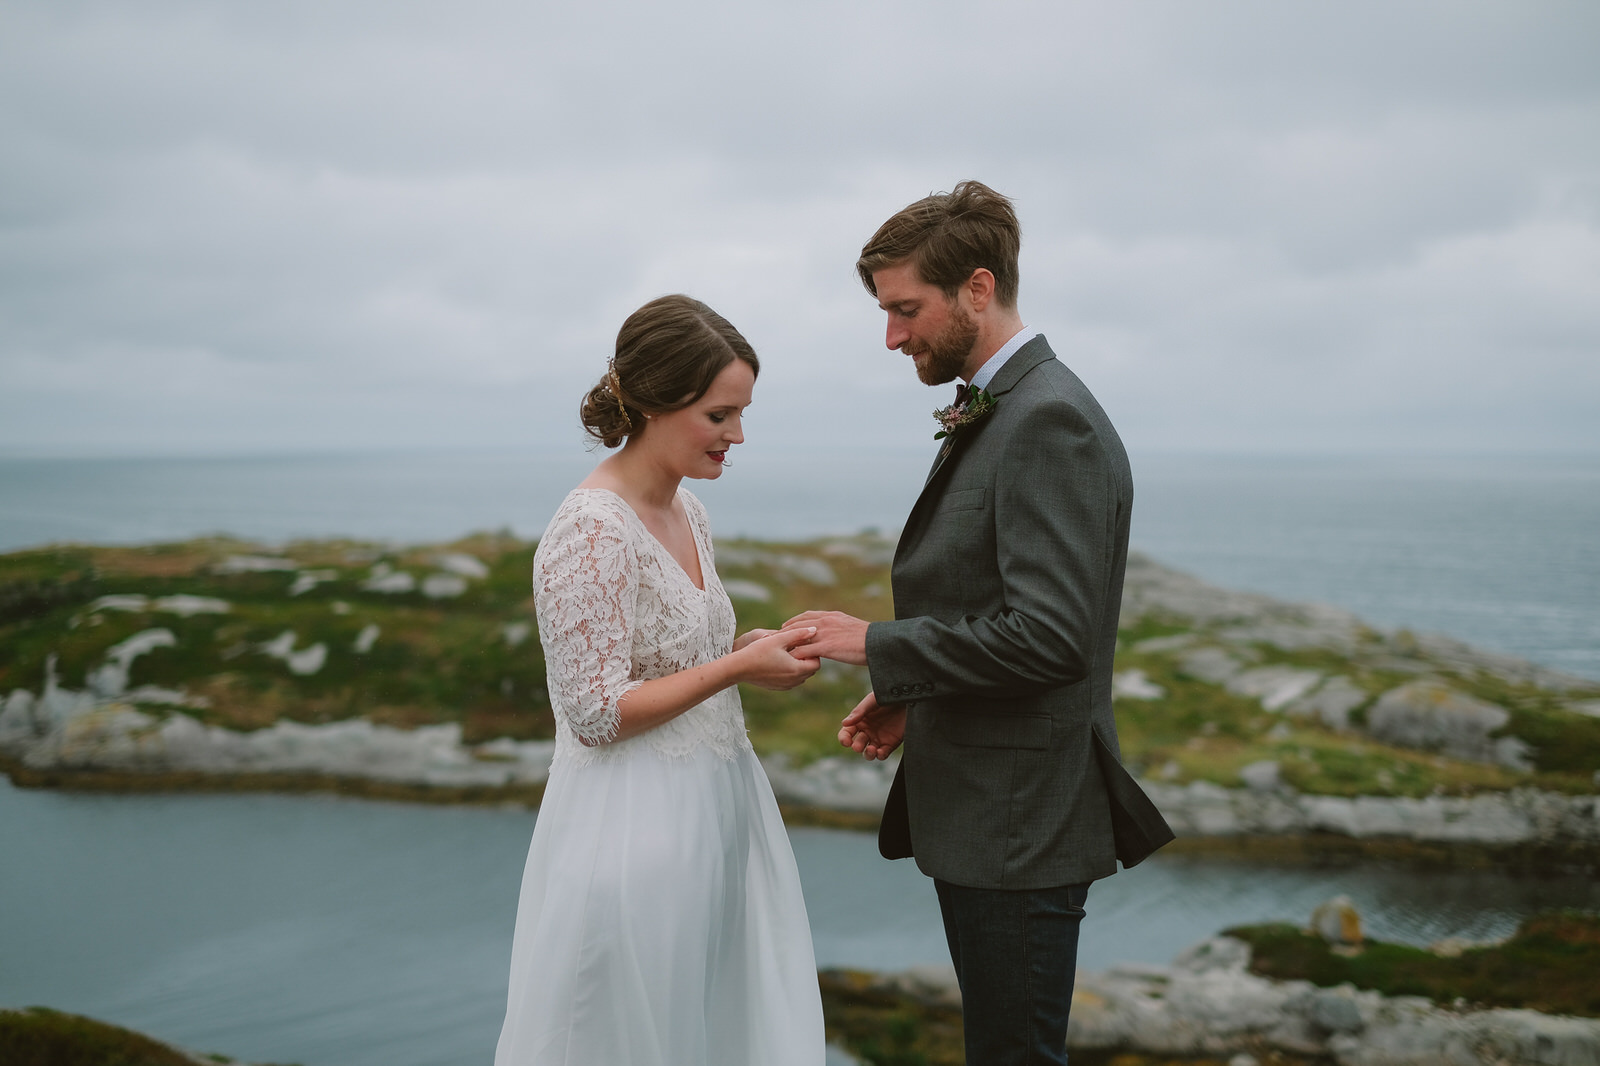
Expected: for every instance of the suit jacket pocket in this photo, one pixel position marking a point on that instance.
(964, 499)
(995, 730)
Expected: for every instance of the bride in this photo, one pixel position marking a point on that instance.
(660, 920)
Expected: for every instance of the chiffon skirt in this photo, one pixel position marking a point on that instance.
(661, 922)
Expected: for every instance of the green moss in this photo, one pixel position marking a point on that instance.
(1190, 708)
(888, 1028)
(1322, 660)
(38, 1036)
(1148, 627)
(27, 599)
(1549, 965)
(1563, 741)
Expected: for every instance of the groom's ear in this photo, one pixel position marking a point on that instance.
(979, 289)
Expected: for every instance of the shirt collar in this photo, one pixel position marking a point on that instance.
(988, 370)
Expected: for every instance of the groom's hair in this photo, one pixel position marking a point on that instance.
(948, 235)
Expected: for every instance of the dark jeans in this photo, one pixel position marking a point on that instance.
(1016, 954)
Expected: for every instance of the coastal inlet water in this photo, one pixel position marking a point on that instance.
(339, 932)
(1499, 552)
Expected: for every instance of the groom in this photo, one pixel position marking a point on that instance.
(996, 672)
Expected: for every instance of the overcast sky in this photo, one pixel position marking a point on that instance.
(1258, 227)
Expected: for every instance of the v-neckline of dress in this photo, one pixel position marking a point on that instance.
(694, 537)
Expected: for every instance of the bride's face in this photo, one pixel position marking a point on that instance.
(693, 441)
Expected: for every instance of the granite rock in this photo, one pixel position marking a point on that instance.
(1429, 715)
(1330, 702)
(1207, 1003)
(1337, 921)
(842, 783)
(1275, 686)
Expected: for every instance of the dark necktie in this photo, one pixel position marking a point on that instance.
(962, 392)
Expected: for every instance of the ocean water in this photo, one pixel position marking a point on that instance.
(1500, 552)
(338, 932)
(1503, 552)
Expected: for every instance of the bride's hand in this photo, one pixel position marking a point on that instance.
(744, 639)
(768, 662)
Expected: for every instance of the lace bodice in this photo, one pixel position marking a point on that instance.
(615, 610)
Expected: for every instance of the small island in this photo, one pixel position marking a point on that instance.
(414, 671)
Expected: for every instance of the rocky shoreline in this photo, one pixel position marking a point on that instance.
(1207, 1005)
(67, 739)
(1253, 723)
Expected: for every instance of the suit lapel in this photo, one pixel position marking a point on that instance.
(1023, 360)
(1026, 357)
(929, 495)
(946, 446)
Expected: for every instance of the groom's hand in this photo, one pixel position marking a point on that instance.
(874, 729)
(840, 637)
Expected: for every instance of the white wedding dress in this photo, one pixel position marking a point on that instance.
(661, 921)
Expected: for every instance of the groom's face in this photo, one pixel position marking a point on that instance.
(932, 328)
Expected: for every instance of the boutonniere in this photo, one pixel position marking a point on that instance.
(977, 404)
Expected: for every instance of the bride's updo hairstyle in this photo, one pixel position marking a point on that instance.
(668, 354)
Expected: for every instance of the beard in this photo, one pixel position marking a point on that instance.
(947, 352)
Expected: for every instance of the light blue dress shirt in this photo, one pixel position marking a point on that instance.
(988, 370)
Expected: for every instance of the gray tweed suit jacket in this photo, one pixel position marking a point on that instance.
(1007, 585)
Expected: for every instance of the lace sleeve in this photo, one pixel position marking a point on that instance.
(585, 584)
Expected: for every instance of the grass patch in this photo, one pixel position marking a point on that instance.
(1209, 734)
(38, 1036)
(1148, 627)
(1548, 965)
(888, 1028)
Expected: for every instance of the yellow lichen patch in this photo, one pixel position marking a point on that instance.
(233, 705)
(517, 723)
(401, 717)
(167, 560)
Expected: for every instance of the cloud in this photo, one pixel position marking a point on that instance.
(1249, 226)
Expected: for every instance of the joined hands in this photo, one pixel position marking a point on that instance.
(768, 659)
(838, 636)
